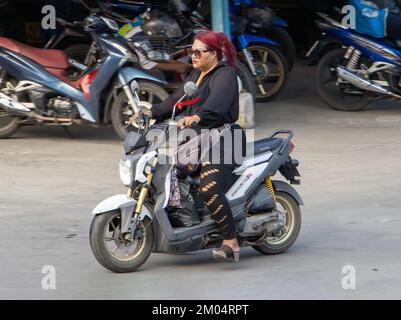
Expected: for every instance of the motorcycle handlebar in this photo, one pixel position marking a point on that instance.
(72, 25)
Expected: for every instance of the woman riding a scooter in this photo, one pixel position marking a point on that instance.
(215, 106)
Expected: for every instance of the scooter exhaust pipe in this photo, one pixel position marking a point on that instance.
(13, 107)
(362, 83)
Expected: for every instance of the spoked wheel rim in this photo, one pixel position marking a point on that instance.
(126, 111)
(6, 119)
(270, 70)
(284, 206)
(120, 249)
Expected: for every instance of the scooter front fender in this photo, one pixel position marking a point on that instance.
(124, 204)
(282, 186)
(129, 74)
(244, 40)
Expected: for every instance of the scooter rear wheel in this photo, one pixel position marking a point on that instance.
(286, 238)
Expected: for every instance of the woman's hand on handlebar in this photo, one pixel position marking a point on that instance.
(144, 111)
(188, 121)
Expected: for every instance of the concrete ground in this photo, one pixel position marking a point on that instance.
(351, 185)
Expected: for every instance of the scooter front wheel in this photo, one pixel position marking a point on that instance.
(112, 251)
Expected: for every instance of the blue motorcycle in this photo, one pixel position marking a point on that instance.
(35, 88)
(276, 30)
(355, 69)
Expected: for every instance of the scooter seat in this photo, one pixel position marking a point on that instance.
(264, 145)
(49, 58)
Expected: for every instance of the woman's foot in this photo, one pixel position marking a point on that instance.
(228, 251)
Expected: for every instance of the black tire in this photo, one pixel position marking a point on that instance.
(146, 90)
(332, 95)
(293, 226)
(248, 82)
(287, 45)
(106, 257)
(77, 52)
(8, 125)
(273, 83)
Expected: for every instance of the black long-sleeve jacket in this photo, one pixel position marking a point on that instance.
(216, 102)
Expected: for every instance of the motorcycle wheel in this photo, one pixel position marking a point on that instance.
(345, 97)
(248, 83)
(286, 238)
(8, 123)
(121, 111)
(112, 251)
(286, 43)
(271, 71)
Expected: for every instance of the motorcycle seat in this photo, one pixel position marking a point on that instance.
(264, 145)
(49, 58)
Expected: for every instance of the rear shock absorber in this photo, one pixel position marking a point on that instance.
(91, 54)
(353, 63)
(269, 185)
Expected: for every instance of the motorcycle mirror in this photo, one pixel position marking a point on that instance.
(190, 88)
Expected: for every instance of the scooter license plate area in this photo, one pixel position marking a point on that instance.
(290, 171)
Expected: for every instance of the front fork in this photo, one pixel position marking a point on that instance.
(251, 66)
(143, 193)
(133, 98)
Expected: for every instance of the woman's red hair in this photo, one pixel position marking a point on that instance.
(219, 42)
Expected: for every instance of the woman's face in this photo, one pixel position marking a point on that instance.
(202, 59)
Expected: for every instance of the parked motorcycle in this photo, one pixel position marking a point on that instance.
(167, 55)
(277, 31)
(126, 228)
(267, 24)
(355, 68)
(35, 88)
(261, 55)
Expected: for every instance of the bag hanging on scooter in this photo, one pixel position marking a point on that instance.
(182, 210)
(370, 19)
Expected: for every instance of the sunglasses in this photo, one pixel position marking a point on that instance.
(197, 53)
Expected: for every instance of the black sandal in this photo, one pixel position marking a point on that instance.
(225, 253)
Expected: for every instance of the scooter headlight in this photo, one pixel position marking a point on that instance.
(126, 172)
